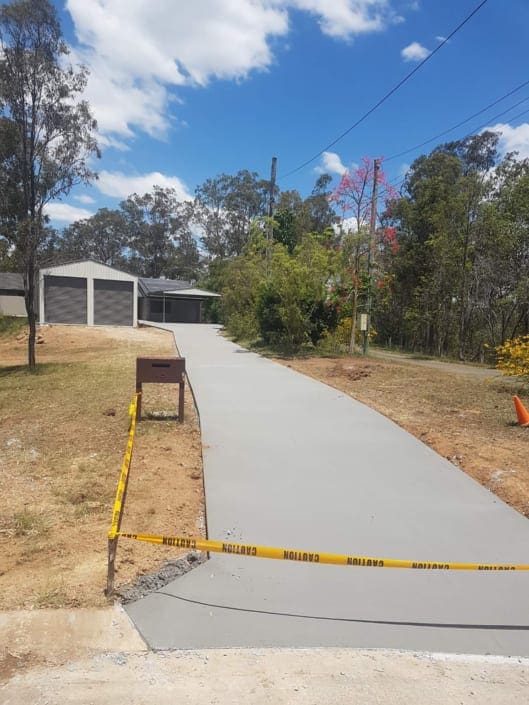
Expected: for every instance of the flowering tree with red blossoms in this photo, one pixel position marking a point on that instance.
(353, 197)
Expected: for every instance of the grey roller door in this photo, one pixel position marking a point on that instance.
(113, 302)
(65, 299)
(182, 311)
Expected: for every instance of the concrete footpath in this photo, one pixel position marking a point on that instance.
(259, 676)
(291, 462)
(95, 656)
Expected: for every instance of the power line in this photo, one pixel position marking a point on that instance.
(463, 122)
(391, 92)
(400, 179)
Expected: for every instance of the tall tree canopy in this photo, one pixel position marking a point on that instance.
(459, 277)
(225, 206)
(48, 132)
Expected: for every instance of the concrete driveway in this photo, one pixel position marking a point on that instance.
(291, 462)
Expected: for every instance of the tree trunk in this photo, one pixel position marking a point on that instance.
(29, 297)
(354, 312)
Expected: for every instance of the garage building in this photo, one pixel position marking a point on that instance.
(87, 293)
(171, 300)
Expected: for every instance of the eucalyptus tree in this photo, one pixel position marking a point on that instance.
(51, 131)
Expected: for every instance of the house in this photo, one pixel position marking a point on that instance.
(91, 293)
(12, 294)
(171, 301)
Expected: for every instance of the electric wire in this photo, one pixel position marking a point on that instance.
(460, 124)
(400, 179)
(389, 93)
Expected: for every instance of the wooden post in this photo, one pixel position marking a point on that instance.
(372, 233)
(270, 229)
(181, 390)
(112, 550)
(139, 390)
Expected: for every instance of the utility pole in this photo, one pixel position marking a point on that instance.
(372, 233)
(270, 232)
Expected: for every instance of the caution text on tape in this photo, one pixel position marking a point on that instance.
(289, 554)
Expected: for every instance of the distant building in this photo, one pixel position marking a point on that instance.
(12, 294)
(91, 293)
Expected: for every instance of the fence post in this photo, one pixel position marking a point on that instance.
(112, 549)
(121, 495)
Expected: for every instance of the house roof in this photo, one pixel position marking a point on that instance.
(149, 286)
(11, 280)
(191, 293)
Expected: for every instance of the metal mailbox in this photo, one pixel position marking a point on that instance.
(167, 370)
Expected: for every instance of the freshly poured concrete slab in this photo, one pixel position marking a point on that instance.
(291, 462)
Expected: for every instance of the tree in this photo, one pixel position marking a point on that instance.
(477, 154)
(226, 206)
(184, 260)
(322, 215)
(51, 131)
(442, 269)
(152, 224)
(102, 237)
(353, 196)
(296, 217)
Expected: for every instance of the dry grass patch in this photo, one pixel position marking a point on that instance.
(62, 437)
(468, 419)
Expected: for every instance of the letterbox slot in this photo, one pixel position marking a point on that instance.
(161, 364)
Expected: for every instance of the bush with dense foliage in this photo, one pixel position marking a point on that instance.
(279, 297)
(513, 356)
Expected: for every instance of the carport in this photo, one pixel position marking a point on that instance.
(87, 293)
(172, 301)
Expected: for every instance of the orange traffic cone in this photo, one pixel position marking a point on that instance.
(521, 412)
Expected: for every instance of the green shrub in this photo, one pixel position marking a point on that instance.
(242, 326)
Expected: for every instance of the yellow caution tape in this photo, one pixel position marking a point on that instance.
(125, 467)
(289, 554)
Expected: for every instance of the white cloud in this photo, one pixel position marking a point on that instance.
(347, 18)
(513, 139)
(347, 225)
(64, 213)
(119, 185)
(414, 52)
(84, 199)
(137, 51)
(332, 163)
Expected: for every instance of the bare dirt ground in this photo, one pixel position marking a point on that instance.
(467, 418)
(63, 433)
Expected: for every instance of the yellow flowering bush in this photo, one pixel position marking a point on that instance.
(513, 356)
(343, 333)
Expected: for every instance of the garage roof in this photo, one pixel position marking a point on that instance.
(149, 286)
(191, 293)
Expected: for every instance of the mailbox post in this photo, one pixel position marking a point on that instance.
(168, 370)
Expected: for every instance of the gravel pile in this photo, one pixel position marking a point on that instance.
(145, 584)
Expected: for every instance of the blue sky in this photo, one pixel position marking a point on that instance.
(184, 91)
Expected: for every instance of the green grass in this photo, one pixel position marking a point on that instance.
(29, 523)
(12, 325)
